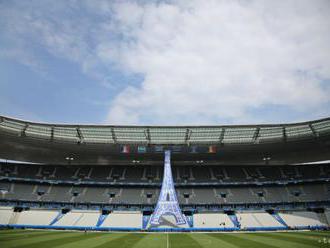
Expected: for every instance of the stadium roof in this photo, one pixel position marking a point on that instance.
(103, 144)
(167, 135)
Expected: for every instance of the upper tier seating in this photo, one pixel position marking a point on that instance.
(181, 174)
(188, 195)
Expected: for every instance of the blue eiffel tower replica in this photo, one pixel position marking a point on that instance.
(167, 203)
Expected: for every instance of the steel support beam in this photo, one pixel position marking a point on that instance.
(147, 134)
(52, 134)
(256, 135)
(22, 134)
(316, 135)
(79, 135)
(187, 136)
(222, 135)
(113, 135)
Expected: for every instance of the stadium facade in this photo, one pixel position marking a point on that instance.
(247, 177)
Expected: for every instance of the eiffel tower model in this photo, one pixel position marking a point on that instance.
(167, 203)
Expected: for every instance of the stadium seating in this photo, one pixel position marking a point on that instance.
(301, 219)
(5, 215)
(36, 217)
(78, 218)
(212, 220)
(145, 174)
(127, 219)
(41, 191)
(138, 195)
(327, 216)
(246, 220)
(257, 219)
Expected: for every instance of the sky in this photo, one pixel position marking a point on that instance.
(184, 62)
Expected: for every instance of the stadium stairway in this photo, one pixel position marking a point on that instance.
(75, 223)
(14, 218)
(101, 219)
(279, 219)
(145, 221)
(57, 218)
(234, 219)
(323, 218)
(190, 220)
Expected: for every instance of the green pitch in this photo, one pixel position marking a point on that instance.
(63, 239)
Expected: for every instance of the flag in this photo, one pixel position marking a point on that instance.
(212, 149)
(193, 149)
(125, 149)
(142, 149)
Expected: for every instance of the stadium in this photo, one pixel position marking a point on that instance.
(167, 123)
(109, 178)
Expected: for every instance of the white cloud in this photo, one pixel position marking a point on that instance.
(203, 62)
(209, 61)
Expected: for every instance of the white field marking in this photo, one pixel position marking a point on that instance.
(167, 246)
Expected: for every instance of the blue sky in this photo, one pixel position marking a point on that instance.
(165, 62)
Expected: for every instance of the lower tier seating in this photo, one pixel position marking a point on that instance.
(212, 220)
(134, 219)
(36, 217)
(298, 219)
(79, 218)
(257, 219)
(131, 219)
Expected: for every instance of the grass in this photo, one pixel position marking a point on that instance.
(65, 239)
